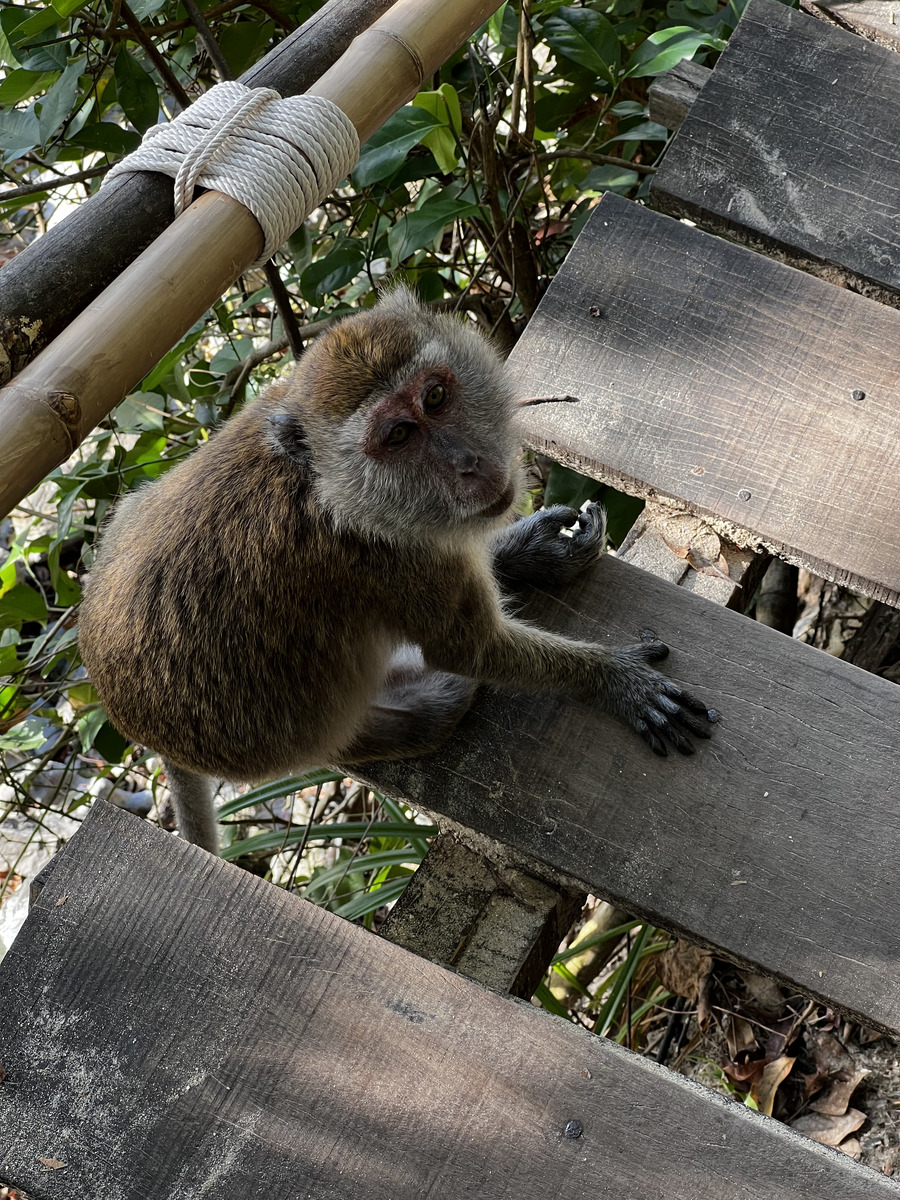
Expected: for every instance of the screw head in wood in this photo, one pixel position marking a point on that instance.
(573, 1129)
(857, 394)
(743, 494)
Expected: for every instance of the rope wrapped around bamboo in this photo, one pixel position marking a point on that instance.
(245, 142)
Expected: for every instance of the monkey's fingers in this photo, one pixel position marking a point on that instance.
(663, 725)
(686, 700)
(589, 540)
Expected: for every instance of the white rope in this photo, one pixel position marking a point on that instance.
(279, 157)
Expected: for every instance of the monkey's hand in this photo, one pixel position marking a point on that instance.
(535, 550)
(658, 709)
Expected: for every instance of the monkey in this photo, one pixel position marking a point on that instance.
(326, 579)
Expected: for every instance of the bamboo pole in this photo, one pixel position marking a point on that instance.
(83, 374)
(49, 282)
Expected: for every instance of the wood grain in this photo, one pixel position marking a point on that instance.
(777, 843)
(717, 377)
(877, 20)
(171, 1027)
(794, 145)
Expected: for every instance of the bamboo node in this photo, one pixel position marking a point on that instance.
(246, 142)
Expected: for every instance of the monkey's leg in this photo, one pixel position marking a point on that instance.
(192, 799)
(414, 711)
(535, 550)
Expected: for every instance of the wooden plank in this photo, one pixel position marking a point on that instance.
(671, 95)
(777, 843)
(758, 396)
(793, 146)
(171, 1026)
(878, 20)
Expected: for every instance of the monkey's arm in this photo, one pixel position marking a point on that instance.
(534, 550)
(498, 650)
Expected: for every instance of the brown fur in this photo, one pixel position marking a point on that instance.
(250, 613)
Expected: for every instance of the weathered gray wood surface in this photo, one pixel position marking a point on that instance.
(793, 145)
(878, 20)
(778, 842)
(710, 374)
(671, 95)
(171, 1027)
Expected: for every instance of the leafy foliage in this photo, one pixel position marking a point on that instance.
(473, 194)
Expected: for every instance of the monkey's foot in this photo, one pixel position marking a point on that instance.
(658, 709)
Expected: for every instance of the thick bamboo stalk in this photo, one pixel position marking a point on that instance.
(46, 285)
(81, 376)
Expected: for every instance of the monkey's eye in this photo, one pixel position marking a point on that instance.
(434, 398)
(400, 433)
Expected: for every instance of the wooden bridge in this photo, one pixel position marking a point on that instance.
(173, 1027)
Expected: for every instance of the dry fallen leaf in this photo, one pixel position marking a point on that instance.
(684, 969)
(52, 1164)
(774, 1073)
(830, 1131)
(852, 1147)
(834, 1100)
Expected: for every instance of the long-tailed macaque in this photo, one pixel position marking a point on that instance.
(321, 582)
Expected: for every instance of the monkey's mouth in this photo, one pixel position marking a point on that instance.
(501, 504)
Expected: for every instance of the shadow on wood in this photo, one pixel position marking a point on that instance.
(173, 1027)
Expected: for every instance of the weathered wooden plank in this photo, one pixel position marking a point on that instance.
(777, 843)
(671, 95)
(749, 391)
(171, 1027)
(793, 146)
(878, 20)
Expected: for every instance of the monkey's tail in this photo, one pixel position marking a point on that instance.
(192, 799)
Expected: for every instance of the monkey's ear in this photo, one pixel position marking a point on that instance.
(288, 437)
(399, 299)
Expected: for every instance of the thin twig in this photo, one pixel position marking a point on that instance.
(209, 43)
(165, 71)
(285, 310)
(46, 185)
(601, 159)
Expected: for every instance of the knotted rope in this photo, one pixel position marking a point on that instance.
(246, 142)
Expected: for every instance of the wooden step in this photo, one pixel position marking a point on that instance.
(777, 842)
(793, 146)
(753, 393)
(173, 1027)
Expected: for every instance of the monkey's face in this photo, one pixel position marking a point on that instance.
(410, 424)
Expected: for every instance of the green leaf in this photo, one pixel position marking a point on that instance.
(109, 743)
(442, 142)
(22, 85)
(368, 902)
(332, 272)
(136, 91)
(19, 131)
(107, 136)
(243, 42)
(646, 131)
(58, 102)
(279, 789)
(666, 48)
(587, 38)
(385, 150)
(153, 378)
(22, 603)
(565, 486)
(89, 725)
(65, 8)
(609, 179)
(29, 734)
(276, 839)
(68, 591)
(422, 227)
